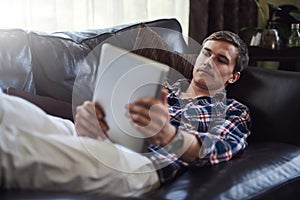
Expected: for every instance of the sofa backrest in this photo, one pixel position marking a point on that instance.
(15, 60)
(273, 97)
(47, 63)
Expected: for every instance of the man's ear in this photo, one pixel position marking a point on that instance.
(235, 76)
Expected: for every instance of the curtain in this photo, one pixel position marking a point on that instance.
(207, 16)
(60, 15)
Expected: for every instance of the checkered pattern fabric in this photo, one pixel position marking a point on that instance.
(221, 126)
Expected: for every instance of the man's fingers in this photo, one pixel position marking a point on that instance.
(99, 110)
(164, 94)
(146, 102)
(82, 130)
(89, 121)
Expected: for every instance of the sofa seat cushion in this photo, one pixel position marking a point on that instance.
(261, 168)
(50, 105)
(263, 171)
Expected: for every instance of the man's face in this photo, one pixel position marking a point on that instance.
(214, 66)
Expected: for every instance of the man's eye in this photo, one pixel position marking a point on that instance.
(223, 61)
(206, 53)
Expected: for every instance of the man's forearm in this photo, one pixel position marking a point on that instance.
(191, 147)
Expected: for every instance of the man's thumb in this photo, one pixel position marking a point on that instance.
(164, 94)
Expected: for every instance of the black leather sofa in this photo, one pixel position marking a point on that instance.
(42, 68)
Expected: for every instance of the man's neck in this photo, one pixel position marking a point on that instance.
(194, 91)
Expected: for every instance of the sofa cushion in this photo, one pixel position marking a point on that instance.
(149, 44)
(58, 57)
(149, 39)
(50, 105)
(273, 99)
(56, 62)
(257, 172)
(15, 60)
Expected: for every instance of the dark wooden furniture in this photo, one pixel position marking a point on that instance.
(289, 58)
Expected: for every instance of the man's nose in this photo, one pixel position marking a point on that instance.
(209, 62)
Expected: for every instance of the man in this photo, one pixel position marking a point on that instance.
(198, 126)
(199, 138)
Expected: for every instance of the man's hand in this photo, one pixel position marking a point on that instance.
(151, 117)
(90, 120)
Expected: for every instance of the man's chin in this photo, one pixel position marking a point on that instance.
(212, 88)
(208, 84)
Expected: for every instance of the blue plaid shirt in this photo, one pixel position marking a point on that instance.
(221, 126)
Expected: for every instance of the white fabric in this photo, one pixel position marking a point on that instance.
(39, 151)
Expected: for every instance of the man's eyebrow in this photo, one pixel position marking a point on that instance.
(209, 50)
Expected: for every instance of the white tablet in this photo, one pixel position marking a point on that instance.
(121, 78)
